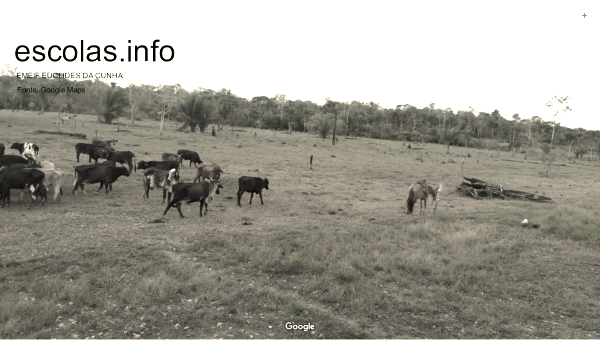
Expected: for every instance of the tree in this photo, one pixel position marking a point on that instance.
(448, 136)
(113, 103)
(135, 95)
(196, 110)
(321, 123)
(516, 121)
(330, 107)
(557, 105)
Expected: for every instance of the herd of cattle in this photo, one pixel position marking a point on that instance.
(28, 174)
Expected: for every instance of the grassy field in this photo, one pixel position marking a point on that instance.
(332, 247)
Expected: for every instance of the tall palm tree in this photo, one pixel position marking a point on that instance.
(113, 103)
(196, 110)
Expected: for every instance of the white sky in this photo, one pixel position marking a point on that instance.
(513, 56)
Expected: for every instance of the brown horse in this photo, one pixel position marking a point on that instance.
(416, 192)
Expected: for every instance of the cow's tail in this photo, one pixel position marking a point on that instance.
(74, 183)
(134, 164)
(410, 202)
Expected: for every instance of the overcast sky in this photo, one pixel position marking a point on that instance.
(513, 56)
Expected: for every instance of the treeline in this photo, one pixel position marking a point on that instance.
(199, 108)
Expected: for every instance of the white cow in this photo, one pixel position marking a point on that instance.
(31, 150)
(53, 177)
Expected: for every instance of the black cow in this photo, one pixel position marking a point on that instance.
(122, 157)
(193, 192)
(105, 175)
(155, 178)
(104, 143)
(27, 150)
(92, 150)
(11, 159)
(22, 177)
(107, 163)
(2, 149)
(161, 165)
(253, 185)
(192, 156)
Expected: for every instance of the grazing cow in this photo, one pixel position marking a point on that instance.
(27, 150)
(21, 177)
(212, 172)
(1, 149)
(105, 175)
(171, 157)
(121, 157)
(253, 185)
(155, 178)
(161, 165)
(65, 119)
(92, 150)
(11, 159)
(104, 143)
(192, 156)
(193, 192)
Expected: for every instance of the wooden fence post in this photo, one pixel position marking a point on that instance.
(311, 156)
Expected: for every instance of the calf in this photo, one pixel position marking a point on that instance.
(121, 157)
(11, 159)
(253, 185)
(27, 150)
(161, 165)
(171, 157)
(192, 156)
(212, 172)
(155, 178)
(193, 192)
(21, 177)
(105, 175)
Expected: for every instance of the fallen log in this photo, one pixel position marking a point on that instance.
(479, 189)
(78, 135)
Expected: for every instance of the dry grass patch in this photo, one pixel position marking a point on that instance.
(332, 247)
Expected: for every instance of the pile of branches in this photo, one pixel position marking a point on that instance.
(480, 189)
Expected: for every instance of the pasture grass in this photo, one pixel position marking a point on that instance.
(331, 246)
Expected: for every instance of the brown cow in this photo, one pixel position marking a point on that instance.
(205, 171)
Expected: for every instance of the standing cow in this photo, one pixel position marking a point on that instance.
(27, 150)
(253, 185)
(123, 157)
(105, 175)
(155, 178)
(22, 177)
(192, 156)
(193, 192)
(206, 171)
